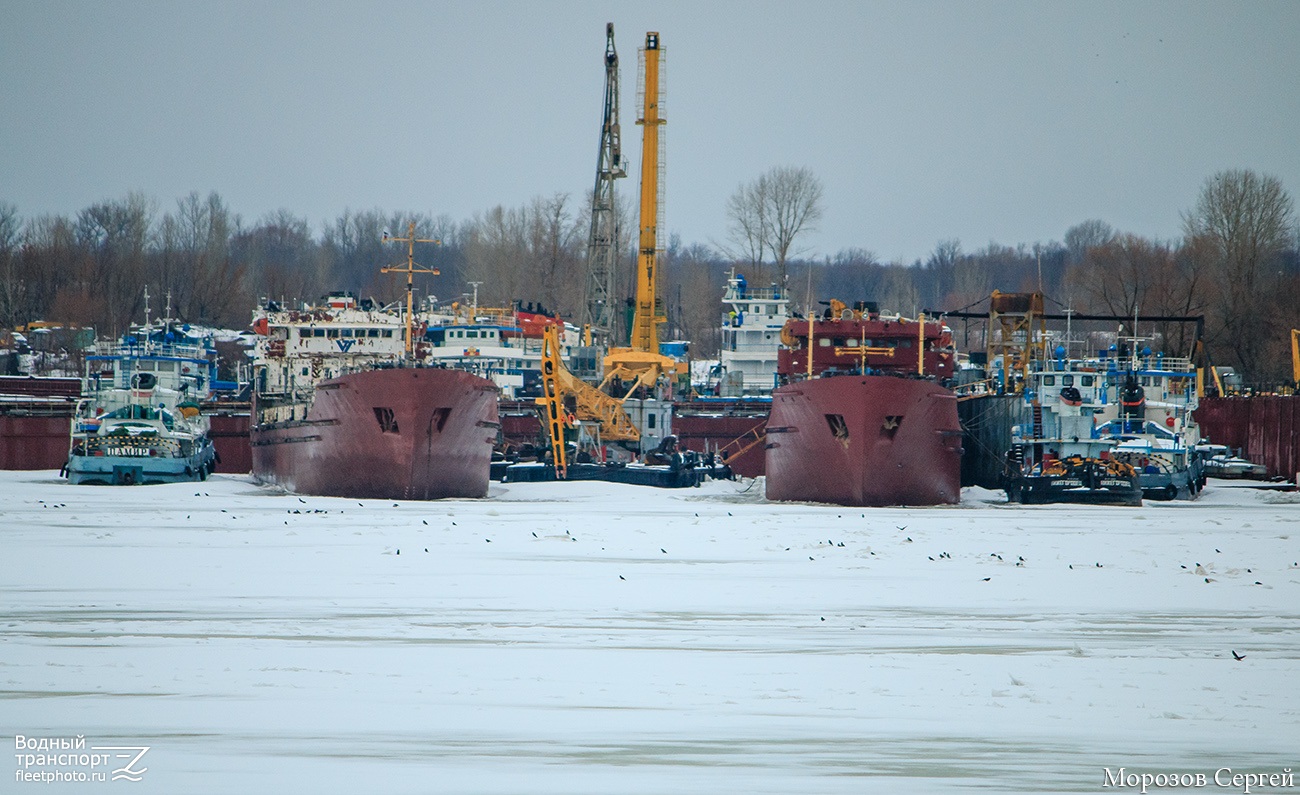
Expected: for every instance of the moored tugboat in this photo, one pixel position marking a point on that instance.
(138, 421)
(1057, 452)
(1112, 429)
(1152, 428)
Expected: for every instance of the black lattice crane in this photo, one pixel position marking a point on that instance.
(603, 246)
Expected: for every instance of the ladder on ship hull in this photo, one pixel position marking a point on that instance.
(744, 443)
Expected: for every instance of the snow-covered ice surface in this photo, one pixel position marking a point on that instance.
(599, 638)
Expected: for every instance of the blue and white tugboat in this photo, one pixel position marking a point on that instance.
(1111, 429)
(138, 420)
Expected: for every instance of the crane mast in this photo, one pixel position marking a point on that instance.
(640, 364)
(602, 246)
(646, 320)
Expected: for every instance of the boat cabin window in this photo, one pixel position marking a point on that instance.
(851, 343)
(332, 333)
(142, 365)
(388, 332)
(472, 334)
(374, 332)
(320, 332)
(825, 342)
(1049, 380)
(1067, 380)
(306, 371)
(345, 332)
(1086, 380)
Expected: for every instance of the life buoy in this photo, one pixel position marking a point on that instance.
(1169, 421)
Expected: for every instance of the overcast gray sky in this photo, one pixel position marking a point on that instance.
(1004, 122)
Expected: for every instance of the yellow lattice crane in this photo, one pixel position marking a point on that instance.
(565, 397)
(641, 364)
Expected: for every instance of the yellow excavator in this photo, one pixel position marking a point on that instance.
(565, 398)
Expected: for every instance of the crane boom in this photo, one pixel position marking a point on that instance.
(646, 320)
(640, 362)
(589, 403)
(602, 245)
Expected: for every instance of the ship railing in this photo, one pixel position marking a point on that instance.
(113, 348)
(1072, 366)
(755, 294)
(1172, 364)
(37, 406)
(987, 386)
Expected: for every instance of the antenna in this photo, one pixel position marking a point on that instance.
(474, 316)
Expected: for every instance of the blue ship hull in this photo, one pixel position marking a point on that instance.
(128, 470)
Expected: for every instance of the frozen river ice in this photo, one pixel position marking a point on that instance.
(593, 638)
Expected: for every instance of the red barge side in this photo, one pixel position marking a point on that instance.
(864, 440)
(869, 421)
(400, 433)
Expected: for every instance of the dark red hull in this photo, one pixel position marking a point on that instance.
(404, 433)
(864, 440)
(736, 435)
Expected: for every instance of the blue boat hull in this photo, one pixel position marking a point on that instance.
(113, 470)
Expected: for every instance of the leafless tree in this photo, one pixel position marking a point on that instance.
(496, 249)
(1120, 274)
(1242, 223)
(769, 215)
(941, 266)
(554, 244)
(281, 257)
(12, 288)
(747, 226)
(107, 289)
(1089, 234)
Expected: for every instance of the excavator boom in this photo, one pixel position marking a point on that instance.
(559, 386)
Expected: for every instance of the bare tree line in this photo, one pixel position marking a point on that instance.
(1237, 264)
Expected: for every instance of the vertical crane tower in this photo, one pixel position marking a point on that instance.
(602, 246)
(641, 361)
(645, 323)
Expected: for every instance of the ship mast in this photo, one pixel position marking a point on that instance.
(410, 270)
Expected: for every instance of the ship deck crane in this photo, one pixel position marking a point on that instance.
(640, 363)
